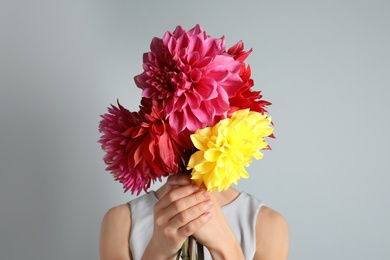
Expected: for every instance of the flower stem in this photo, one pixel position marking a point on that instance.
(185, 250)
(200, 251)
(192, 247)
(178, 254)
(191, 250)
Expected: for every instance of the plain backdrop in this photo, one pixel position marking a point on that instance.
(325, 65)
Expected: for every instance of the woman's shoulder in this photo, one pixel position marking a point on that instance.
(117, 215)
(272, 219)
(272, 234)
(115, 232)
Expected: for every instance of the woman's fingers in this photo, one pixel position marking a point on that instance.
(176, 194)
(181, 199)
(194, 225)
(190, 203)
(182, 205)
(177, 180)
(189, 216)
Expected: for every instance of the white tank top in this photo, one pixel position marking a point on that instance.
(241, 215)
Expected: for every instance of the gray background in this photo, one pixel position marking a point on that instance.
(325, 65)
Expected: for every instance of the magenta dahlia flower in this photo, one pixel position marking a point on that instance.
(139, 146)
(192, 75)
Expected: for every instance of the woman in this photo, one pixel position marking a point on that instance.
(182, 209)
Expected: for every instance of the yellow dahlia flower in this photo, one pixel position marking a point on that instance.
(226, 148)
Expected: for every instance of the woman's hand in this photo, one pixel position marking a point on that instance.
(181, 211)
(217, 236)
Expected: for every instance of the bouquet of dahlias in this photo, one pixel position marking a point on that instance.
(198, 114)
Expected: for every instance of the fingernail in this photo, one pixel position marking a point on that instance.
(209, 204)
(195, 187)
(206, 195)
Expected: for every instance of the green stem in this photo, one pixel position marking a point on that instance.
(191, 250)
(178, 254)
(184, 250)
(192, 247)
(200, 251)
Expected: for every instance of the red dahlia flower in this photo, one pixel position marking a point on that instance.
(139, 147)
(245, 97)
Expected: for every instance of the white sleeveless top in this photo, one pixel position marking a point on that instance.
(241, 215)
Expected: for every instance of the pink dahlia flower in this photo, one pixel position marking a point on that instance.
(192, 75)
(139, 148)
